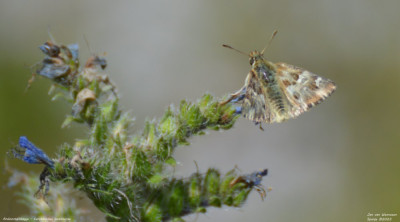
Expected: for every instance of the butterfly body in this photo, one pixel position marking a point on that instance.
(275, 92)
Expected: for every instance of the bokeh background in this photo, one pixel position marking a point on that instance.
(337, 162)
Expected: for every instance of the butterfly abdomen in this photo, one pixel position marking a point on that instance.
(274, 93)
(275, 96)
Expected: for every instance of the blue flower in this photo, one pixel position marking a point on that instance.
(256, 177)
(29, 153)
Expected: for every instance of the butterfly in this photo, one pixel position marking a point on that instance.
(275, 92)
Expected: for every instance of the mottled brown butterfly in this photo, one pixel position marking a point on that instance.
(275, 92)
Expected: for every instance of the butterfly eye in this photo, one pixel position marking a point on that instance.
(251, 60)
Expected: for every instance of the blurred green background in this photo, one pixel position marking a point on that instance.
(337, 162)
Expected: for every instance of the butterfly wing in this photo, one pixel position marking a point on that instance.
(254, 102)
(302, 88)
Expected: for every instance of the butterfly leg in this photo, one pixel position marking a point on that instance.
(235, 96)
(259, 123)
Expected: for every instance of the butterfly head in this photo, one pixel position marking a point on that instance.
(255, 56)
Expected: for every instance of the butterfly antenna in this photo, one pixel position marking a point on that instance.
(230, 47)
(87, 44)
(270, 40)
(50, 35)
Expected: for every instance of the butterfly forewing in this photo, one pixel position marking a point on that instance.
(302, 88)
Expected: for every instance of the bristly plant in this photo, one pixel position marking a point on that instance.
(128, 177)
